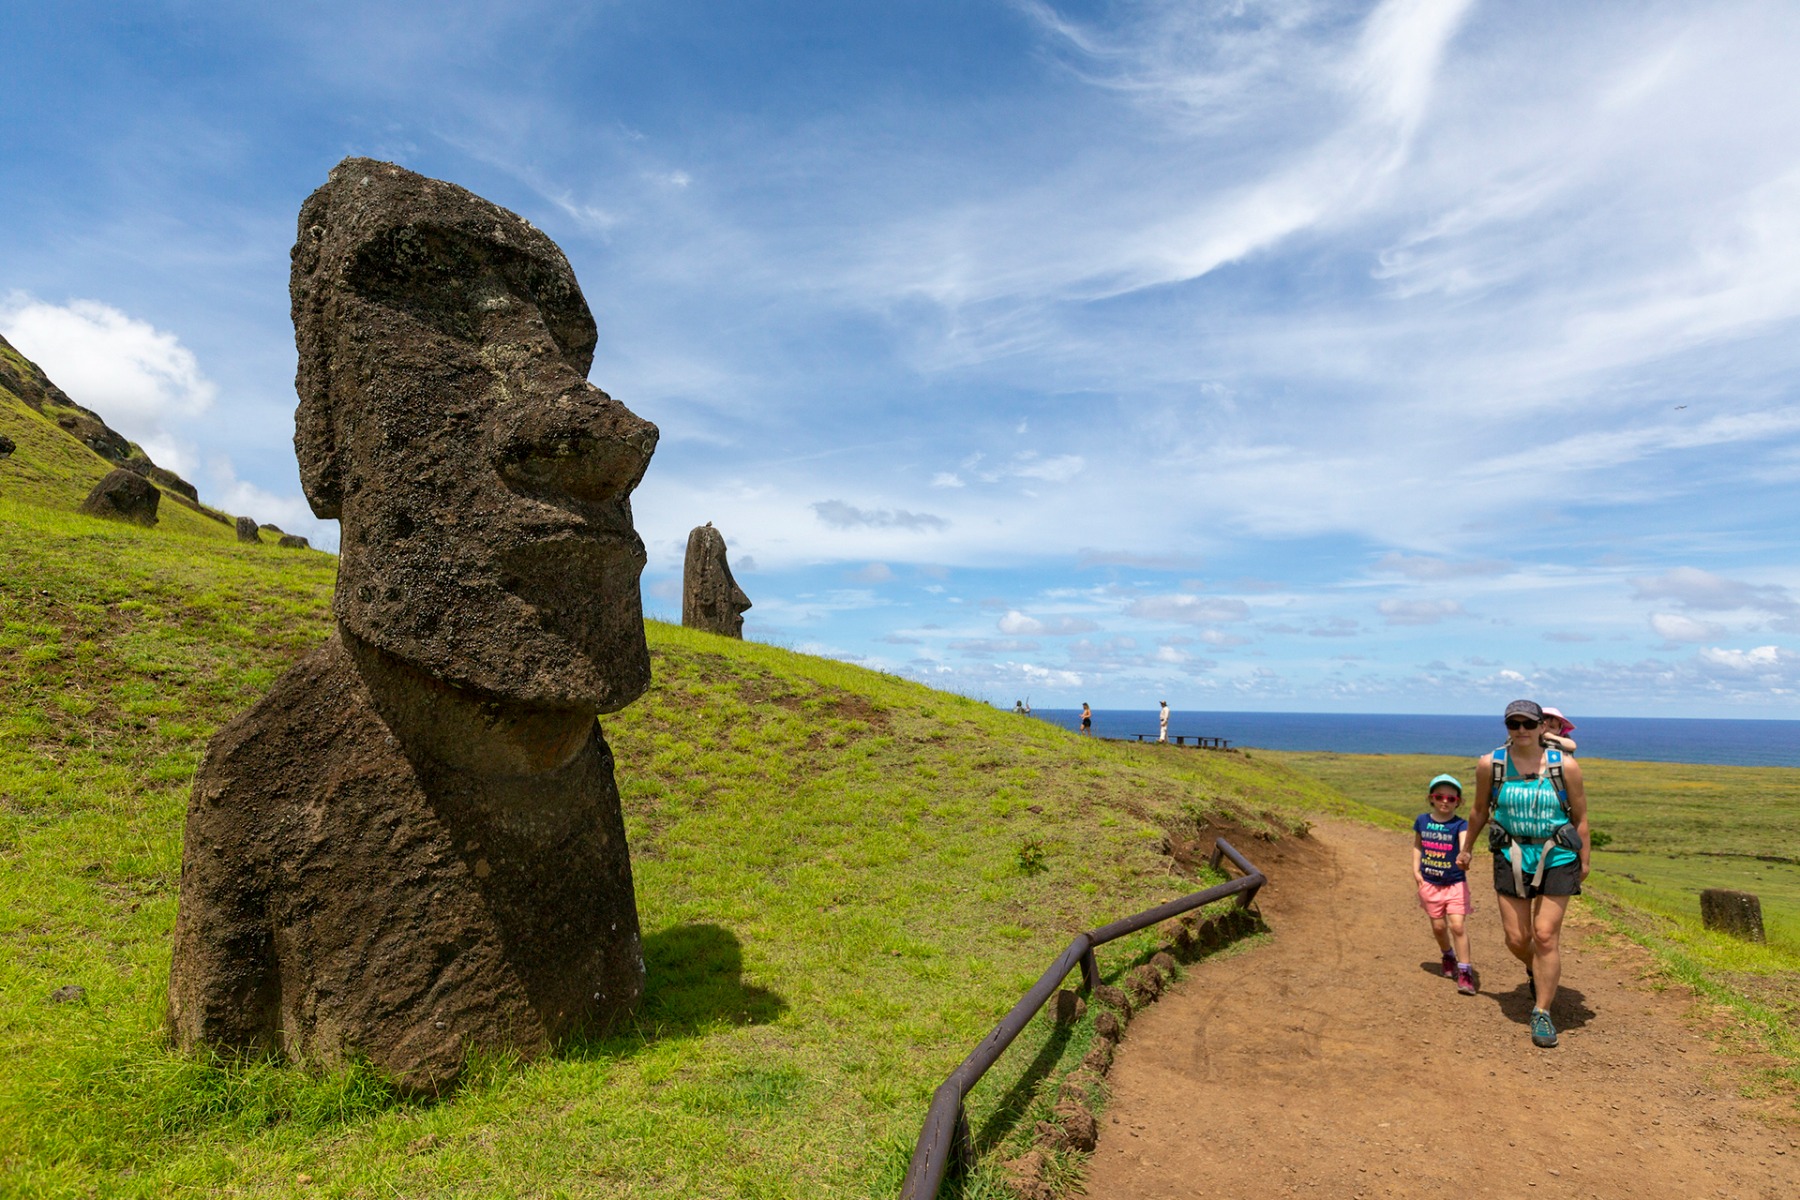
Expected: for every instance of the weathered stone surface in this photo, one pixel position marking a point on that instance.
(1099, 1058)
(412, 847)
(293, 541)
(710, 597)
(7, 446)
(1068, 1007)
(123, 496)
(1107, 1027)
(1164, 962)
(246, 531)
(1736, 913)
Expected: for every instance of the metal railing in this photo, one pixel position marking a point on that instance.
(945, 1142)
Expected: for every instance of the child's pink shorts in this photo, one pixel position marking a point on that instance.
(1442, 900)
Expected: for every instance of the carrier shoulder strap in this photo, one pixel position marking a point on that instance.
(1553, 767)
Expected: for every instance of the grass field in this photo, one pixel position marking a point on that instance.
(1671, 829)
(844, 879)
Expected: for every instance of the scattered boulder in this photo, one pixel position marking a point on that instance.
(1080, 1132)
(293, 541)
(123, 496)
(710, 597)
(1068, 1007)
(69, 993)
(412, 851)
(1107, 1026)
(7, 446)
(1164, 962)
(1024, 1177)
(246, 531)
(1113, 998)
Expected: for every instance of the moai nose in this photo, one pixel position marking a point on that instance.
(582, 445)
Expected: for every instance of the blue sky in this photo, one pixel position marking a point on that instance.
(1400, 357)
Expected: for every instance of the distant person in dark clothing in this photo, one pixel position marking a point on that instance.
(1087, 718)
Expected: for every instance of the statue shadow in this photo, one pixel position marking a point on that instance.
(694, 982)
(1570, 1009)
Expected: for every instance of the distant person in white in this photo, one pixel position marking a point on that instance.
(1162, 732)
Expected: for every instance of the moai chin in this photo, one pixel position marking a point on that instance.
(412, 848)
(710, 597)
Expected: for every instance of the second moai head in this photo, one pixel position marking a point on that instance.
(710, 598)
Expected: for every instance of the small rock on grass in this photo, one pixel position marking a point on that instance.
(1113, 998)
(68, 993)
(1069, 1007)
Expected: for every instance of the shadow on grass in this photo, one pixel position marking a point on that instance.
(694, 981)
(1017, 1101)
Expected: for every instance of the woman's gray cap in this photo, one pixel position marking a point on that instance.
(1524, 708)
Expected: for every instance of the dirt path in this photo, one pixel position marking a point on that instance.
(1334, 1061)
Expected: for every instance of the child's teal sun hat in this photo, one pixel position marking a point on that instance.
(1452, 780)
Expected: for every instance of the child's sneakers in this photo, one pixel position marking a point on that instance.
(1449, 965)
(1465, 980)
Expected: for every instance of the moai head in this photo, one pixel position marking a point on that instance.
(710, 597)
(445, 419)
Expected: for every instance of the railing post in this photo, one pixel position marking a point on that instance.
(1090, 970)
(962, 1145)
(1218, 856)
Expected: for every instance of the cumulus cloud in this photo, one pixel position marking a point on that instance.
(1194, 610)
(1423, 566)
(1673, 628)
(1418, 612)
(136, 376)
(1703, 591)
(1017, 623)
(873, 573)
(839, 515)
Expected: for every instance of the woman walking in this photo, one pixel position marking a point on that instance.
(1534, 798)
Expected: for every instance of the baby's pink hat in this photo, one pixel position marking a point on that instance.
(1561, 720)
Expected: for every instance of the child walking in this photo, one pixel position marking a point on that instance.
(1438, 837)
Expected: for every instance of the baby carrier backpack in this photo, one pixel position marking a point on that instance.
(1540, 824)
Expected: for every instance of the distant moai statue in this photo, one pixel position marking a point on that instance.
(710, 598)
(412, 848)
(1736, 913)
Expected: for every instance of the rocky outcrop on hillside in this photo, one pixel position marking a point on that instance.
(26, 380)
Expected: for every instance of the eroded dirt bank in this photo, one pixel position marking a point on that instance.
(1334, 1061)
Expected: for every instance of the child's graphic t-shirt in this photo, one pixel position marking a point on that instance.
(1438, 843)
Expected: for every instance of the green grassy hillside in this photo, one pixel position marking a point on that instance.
(844, 879)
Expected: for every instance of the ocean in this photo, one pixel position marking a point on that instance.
(1643, 739)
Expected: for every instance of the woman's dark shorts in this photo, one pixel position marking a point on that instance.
(1558, 881)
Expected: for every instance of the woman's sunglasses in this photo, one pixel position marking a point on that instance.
(1521, 723)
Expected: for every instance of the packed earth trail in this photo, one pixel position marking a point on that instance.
(1335, 1060)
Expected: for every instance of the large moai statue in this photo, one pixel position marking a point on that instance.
(710, 597)
(412, 848)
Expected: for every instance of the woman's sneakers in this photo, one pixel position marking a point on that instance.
(1449, 965)
(1543, 1033)
(1465, 980)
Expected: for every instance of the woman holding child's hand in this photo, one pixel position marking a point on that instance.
(1534, 796)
